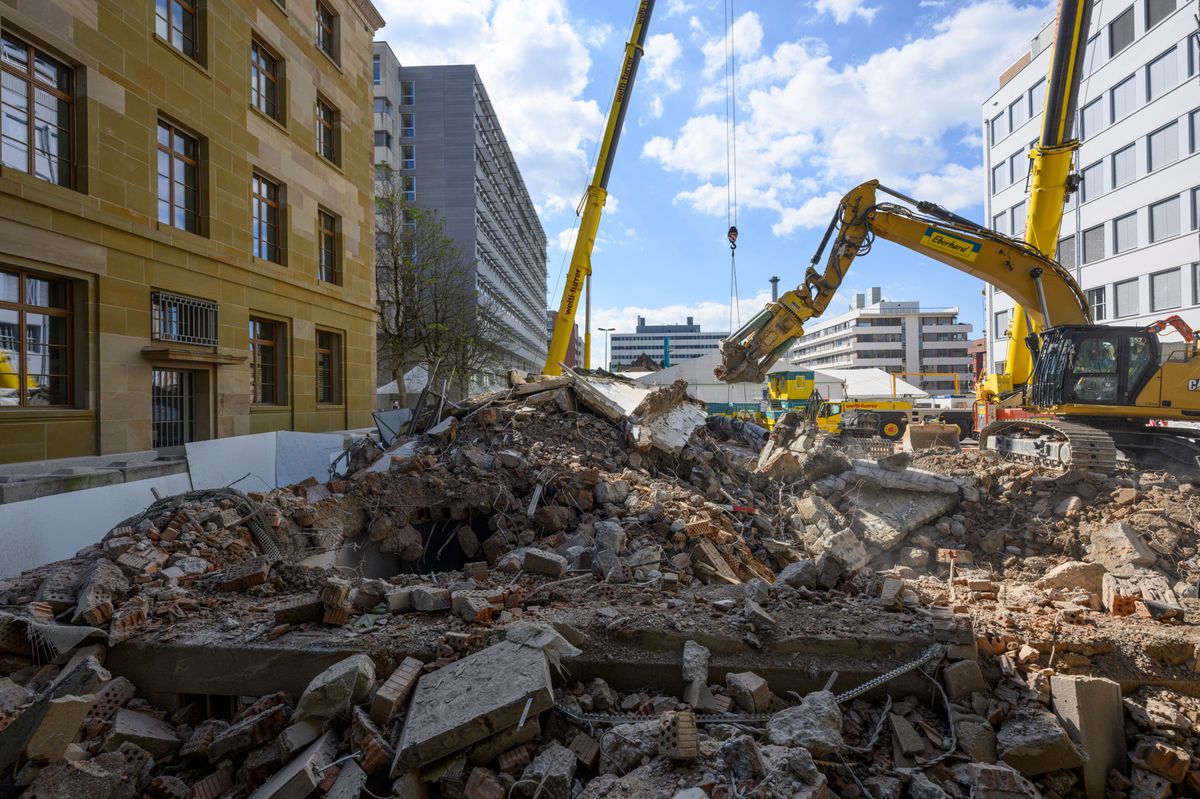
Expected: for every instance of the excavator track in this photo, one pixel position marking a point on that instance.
(1052, 442)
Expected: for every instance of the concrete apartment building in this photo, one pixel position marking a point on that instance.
(438, 129)
(186, 228)
(679, 342)
(898, 337)
(1129, 233)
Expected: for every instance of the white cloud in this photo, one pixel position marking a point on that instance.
(655, 107)
(663, 50)
(547, 122)
(843, 10)
(747, 37)
(676, 7)
(809, 129)
(564, 240)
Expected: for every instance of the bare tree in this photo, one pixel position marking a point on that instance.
(430, 310)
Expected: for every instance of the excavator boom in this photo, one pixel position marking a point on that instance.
(1032, 279)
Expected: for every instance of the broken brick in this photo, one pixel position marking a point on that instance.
(586, 749)
(366, 738)
(678, 737)
(395, 690)
(298, 609)
(514, 760)
(114, 694)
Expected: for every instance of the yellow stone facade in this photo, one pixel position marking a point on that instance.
(102, 235)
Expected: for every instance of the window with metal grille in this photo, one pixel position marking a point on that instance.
(329, 266)
(175, 23)
(36, 107)
(328, 131)
(327, 24)
(173, 402)
(178, 178)
(329, 367)
(267, 377)
(186, 320)
(265, 81)
(265, 197)
(35, 340)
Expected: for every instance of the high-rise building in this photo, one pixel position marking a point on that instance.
(675, 342)
(574, 346)
(437, 128)
(1129, 232)
(186, 227)
(927, 345)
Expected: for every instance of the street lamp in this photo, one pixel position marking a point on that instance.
(606, 331)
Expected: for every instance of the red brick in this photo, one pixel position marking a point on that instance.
(114, 694)
(299, 609)
(482, 784)
(212, 786)
(335, 616)
(395, 690)
(246, 574)
(515, 760)
(366, 738)
(677, 735)
(586, 749)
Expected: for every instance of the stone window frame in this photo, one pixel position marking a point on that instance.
(29, 76)
(275, 343)
(164, 27)
(179, 159)
(267, 202)
(329, 358)
(329, 255)
(326, 28)
(23, 307)
(329, 131)
(266, 81)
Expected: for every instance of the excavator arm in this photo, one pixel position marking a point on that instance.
(1033, 280)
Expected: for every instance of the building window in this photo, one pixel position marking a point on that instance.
(1196, 284)
(1093, 244)
(408, 156)
(264, 81)
(327, 29)
(178, 178)
(408, 188)
(1093, 118)
(375, 70)
(1016, 168)
(1165, 290)
(1124, 165)
(999, 176)
(1000, 222)
(383, 139)
(1157, 11)
(1125, 233)
(1120, 33)
(175, 23)
(1161, 74)
(1194, 129)
(1196, 209)
(1000, 322)
(1164, 219)
(408, 92)
(1066, 252)
(999, 127)
(35, 340)
(328, 131)
(266, 201)
(1163, 146)
(1124, 98)
(1037, 98)
(1017, 112)
(329, 266)
(1095, 299)
(267, 358)
(383, 105)
(1127, 298)
(329, 367)
(408, 126)
(35, 107)
(183, 319)
(1092, 185)
(1018, 220)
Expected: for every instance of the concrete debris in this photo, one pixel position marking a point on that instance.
(485, 612)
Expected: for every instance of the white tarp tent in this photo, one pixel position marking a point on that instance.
(872, 383)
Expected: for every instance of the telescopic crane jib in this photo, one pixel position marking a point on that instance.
(580, 274)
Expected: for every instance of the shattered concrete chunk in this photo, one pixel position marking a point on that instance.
(1091, 711)
(59, 727)
(550, 772)
(539, 561)
(1074, 574)
(801, 574)
(1118, 545)
(695, 662)
(815, 724)
(332, 691)
(155, 736)
(963, 679)
(749, 691)
(1032, 741)
(300, 777)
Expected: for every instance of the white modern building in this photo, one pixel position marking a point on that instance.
(1130, 232)
(677, 342)
(898, 337)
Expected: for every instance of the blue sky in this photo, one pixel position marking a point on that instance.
(829, 93)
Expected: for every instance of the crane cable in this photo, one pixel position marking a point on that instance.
(731, 199)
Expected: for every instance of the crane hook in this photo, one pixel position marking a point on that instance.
(732, 236)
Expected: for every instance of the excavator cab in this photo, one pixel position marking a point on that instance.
(1093, 365)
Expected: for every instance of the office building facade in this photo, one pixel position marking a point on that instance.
(664, 344)
(186, 230)
(436, 127)
(928, 346)
(1129, 234)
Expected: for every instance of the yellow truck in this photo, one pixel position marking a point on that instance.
(895, 416)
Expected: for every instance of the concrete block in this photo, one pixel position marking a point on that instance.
(749, 691)
(299, 778)
(1032, 741)
(539, 561)
(155, 736)
(695, 662)
(1163, 759)
(1119, 545)
(552, 770)
(349, 783)
(906, 735)
(963, 679)
(333, 691)
(399, 600)
(464, 703)
(1091, 711)
(482, 784)
(59, 727)
(430, 598)
(815, 724)
(1073, 574)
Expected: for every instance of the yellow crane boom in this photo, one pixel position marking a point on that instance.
(580, 273)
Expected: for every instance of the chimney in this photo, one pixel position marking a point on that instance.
(774, 288)
(875, 295)
(689, 321)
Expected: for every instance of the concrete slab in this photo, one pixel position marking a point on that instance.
(470, 700)
(245, 462)
(1091, 711)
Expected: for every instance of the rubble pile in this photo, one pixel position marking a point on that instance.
(579, 587)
